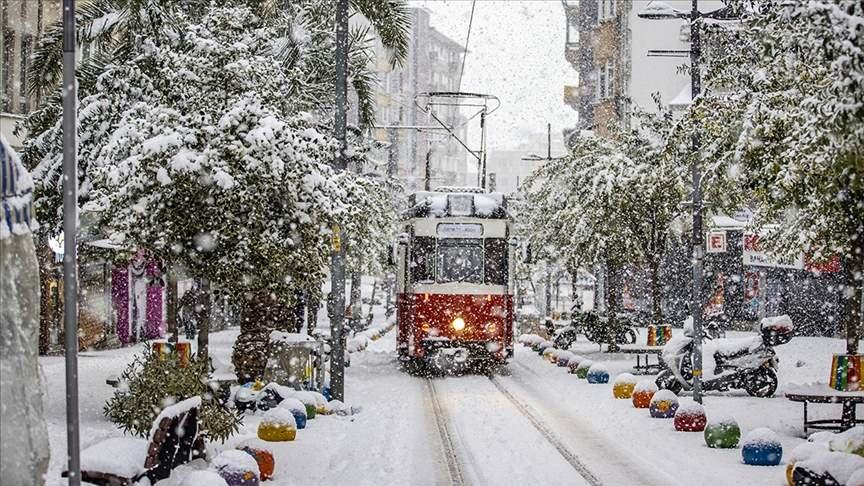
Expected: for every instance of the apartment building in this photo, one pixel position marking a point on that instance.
(433, 64)
(22, 22)
(614, 52)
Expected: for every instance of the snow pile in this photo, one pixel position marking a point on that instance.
(663, 395)
(598, 368)
(761, 437)
(280, 337)
(689, 408)
(174, 411)
(646, 386)
(120, 456)
(839, 465)
(722, 420)
(293, 405)
(778, 323)
(203, 478)
(530, 339)
(625, 378)
(851, 441)
(278, 417)
(356, 344)
(236, 461)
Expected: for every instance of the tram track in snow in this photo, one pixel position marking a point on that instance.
(454, 466)
(547, 433)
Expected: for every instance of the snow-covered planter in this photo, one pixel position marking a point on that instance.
(582, 369)
(278, 425)
(297, 409)
(597, 374)
(690, 417)
(237, 468)
(623, 386)
(761, 447)
(722, 432)
(643, 392)
(663, 404)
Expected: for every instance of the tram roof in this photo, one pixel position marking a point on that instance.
(460, 202)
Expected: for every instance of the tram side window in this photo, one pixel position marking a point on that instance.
(423, 259)
(496, 261)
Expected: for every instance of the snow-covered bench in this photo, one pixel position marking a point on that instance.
(121, 461)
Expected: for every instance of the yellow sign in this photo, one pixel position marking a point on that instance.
(336, 239)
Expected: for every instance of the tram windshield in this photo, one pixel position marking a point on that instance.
(460, 261)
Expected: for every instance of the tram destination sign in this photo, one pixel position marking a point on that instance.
(460, 230)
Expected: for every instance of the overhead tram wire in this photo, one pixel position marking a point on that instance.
(467, 39)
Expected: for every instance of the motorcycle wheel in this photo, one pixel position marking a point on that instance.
(628, 337)
(762, 384)
(667, 380)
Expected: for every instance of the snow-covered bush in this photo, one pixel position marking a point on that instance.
(151, 383)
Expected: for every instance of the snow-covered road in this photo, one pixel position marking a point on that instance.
(532, 423)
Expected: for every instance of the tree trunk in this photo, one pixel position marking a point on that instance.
(260, 314)
(204, 319)
(612, 283)
(46, 309)
(371, 304)
(854, 280)
(656, 297)
(356, 309)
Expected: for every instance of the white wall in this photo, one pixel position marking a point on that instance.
(658, 74)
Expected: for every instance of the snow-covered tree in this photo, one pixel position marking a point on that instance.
(785, 111)
(201, 153)
(576, 205)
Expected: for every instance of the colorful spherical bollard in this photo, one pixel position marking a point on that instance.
(550, 355)
(582, 369)
(690, 417)
(761, 447)
(564, 358)
(237, 468)
(643, 392)
(722, 433)
(623, 386)
(265, 460)
(663, 404)
(297, 409)
(204, 476)
(573, 365)
(598, 374)
(278, 425)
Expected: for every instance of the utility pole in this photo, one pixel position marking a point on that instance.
(70, 246)
(337, 259)
(696, 205)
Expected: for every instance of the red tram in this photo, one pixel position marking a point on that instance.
(455, 279)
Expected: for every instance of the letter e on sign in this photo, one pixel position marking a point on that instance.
(716, 242)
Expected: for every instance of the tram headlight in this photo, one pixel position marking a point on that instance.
(458, 324)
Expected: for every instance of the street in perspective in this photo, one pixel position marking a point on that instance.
(432, 242)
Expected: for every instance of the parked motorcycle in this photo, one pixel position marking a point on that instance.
(746, 363)
(595, 328)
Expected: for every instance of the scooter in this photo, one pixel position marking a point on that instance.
(747, 363)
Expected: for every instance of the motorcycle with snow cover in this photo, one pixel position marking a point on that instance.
(748, 364)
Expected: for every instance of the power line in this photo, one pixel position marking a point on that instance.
(467, 38)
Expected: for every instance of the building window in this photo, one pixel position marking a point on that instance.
(605, 80)
(607, 10)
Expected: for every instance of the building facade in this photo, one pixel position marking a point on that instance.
(433, 64)
(614, 52)
(22, 22)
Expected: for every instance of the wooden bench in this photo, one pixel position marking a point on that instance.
(644, 352)
(822, 393)
(122, 461)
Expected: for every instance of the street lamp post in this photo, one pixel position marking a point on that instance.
(337, 260)
(662, 11)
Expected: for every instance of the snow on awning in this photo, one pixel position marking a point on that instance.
(467, 204)
(724, 222)
(683, 98)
